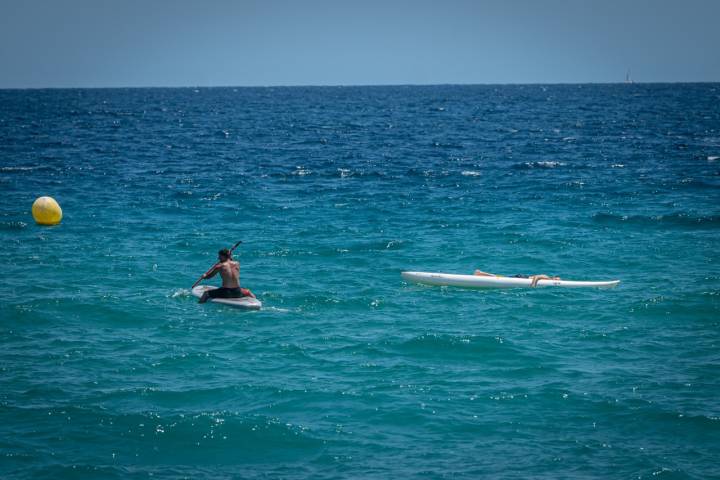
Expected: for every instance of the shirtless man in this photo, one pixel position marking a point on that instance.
(534, 278)
(229, 270)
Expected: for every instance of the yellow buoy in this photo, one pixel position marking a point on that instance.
(46, 211)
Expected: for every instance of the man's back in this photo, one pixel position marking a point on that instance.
(230, 273)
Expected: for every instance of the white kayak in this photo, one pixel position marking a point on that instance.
(246, 303)
(476, 281)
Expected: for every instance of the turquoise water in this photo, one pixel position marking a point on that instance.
(110, 369)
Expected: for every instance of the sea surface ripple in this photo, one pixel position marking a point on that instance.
(110, 369)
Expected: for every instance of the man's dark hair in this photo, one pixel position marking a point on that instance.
(224, 253)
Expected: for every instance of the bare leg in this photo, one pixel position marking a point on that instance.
(245, 292)
(537, 278)
(480, 273)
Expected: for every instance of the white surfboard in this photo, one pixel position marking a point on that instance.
(476, 281)
(246, 303)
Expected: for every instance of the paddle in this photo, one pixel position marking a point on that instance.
(211, 268)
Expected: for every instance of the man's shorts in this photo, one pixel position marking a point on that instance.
(224, 292)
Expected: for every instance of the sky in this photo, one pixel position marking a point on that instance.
(136, 43)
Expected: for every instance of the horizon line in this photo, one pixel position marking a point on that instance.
(379, 85)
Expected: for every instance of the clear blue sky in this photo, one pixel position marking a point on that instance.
(105, 43)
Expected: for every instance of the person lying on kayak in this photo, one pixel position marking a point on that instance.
(229, 271)
(535, 278)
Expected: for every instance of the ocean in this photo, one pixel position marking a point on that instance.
(110, 369)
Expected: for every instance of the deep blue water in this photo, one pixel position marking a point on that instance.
(110, 369)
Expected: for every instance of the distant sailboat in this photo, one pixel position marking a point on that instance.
(627, 77)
